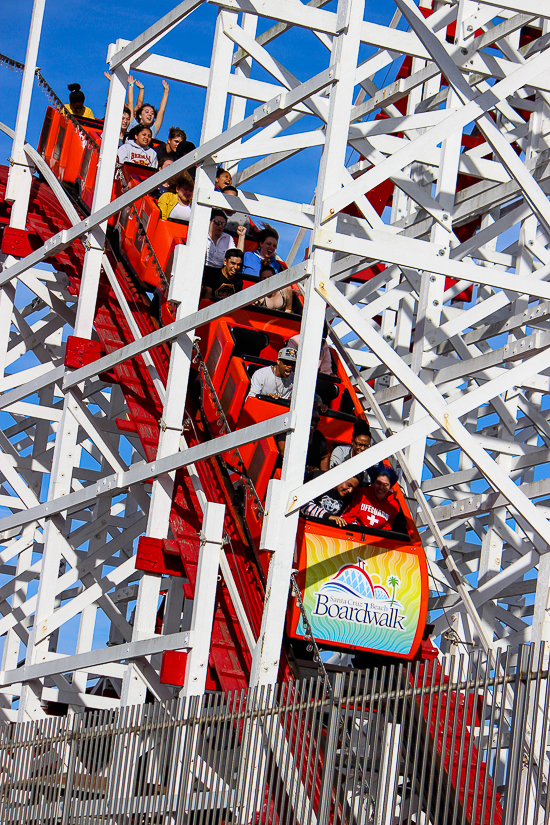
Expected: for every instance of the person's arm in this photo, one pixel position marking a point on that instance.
(166, 203)
(141, 94)
(208, 283)
(323, 464)
(314, 510)
(281, 443)
(162, 107)
(122, 153)
(325, 361)
(131, 106)
(241, 232)
(287, 292)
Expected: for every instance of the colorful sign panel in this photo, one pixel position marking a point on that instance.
(362, 594)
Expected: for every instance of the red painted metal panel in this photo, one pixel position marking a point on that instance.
(18, 242)
(172, 667)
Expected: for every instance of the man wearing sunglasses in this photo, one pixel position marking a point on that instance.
(219, 241)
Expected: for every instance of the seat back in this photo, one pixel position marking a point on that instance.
(249, 341)
(328, 390)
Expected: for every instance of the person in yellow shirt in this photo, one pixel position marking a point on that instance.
(76, 106)
(178, 204)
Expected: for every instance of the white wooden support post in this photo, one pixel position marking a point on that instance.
(204, 602)
(185, 289)
(65, 451)
(64, 459)
(237, 110)
(20, 175)
(432, 285)
(279, 531)
(102, 196)
(18, 187)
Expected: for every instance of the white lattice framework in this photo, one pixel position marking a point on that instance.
(459, 389)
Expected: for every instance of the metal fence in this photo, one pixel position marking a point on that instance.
(454, 742)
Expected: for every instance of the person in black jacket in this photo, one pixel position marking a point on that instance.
(328, 506)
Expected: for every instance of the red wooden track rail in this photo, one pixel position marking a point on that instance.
(229, 662)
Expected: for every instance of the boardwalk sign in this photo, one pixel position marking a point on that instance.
(365, 595)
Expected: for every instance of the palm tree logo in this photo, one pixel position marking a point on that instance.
(394, 583)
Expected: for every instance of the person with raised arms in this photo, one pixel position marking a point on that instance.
(147, 115)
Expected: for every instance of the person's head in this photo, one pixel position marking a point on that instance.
(361, 438)
(382, 480)
(347, 487)
(232, 263)
(175, 137)
(126, 116)
(76, 97)
(286, 362)
(218, 219)
(382, 486)
(232, 191)
(166, 162)
(266, 271)
(146, 114)
(184, 187)
(223, 178)
(267, 239)
(143, 136)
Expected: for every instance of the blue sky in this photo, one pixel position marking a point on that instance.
(73, 48)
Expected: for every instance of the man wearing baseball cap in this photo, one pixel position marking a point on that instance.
(275, 381)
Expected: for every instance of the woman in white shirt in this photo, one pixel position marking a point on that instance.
(136, 149)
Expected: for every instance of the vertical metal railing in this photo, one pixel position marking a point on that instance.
(398, 744)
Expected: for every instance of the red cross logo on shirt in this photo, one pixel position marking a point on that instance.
(373, 520)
